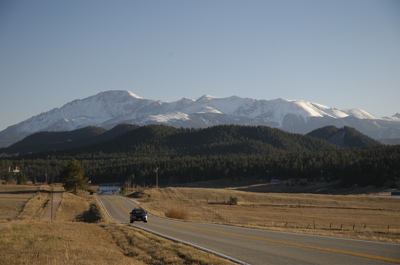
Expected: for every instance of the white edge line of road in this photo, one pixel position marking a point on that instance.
(177, 240)
(285, 232)
(193, 245)
(104, 208)
(228, 257)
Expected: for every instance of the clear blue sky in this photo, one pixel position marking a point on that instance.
(340, 53)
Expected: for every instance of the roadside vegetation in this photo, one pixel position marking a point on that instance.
(82, 234)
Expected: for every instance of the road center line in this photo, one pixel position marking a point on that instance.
(280, 242)
(122, 207)
(294, 244)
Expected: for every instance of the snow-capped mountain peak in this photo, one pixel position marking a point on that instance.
(110, 108)
(394, 117)
(205, 97)
(134, 95)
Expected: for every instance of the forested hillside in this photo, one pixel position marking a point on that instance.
(180, 155)
(345, 137)
(162, 140)
(51, 141)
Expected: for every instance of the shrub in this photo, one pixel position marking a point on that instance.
(175, 213)
(233, 201)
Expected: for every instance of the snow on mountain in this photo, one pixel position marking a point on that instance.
(94, 110)
(395, 117)
(110, 108)
(169, 117)
(360, 114)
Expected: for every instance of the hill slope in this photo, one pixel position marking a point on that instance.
(51, 141)
(344, 137)
(224, 139)
(167, 140)
(162, 140)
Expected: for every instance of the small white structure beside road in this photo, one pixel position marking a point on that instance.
(109, 190)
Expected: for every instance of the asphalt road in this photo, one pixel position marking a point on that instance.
(255, 246)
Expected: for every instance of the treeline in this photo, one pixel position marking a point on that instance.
(180, 155)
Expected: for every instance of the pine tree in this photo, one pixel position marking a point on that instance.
(73, 176)
(22, 179)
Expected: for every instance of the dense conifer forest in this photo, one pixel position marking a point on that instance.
(182, 155)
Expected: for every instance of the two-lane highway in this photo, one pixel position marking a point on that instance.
(256, 246)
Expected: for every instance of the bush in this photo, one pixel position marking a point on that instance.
(21, 179)
(175, 213)
(123, 191)
(138, 194)
(233, 201)
(93, 215)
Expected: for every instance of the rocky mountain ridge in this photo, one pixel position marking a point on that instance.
(110, 108)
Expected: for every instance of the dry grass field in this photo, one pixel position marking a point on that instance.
(22, 201)
(355, 216)
(82, 234)
(45, 242)
(147, 248)
(81, 243)
(83, 208)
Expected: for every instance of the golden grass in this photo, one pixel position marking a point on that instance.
(81, 208)
(59, 243)
(71, 206)
(68, 240)
(175, 213)
(150, 249)
(22, 201)
(355, 216)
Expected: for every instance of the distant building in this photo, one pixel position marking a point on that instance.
(275, 181)
(109, 190)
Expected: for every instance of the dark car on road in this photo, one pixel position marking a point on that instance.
(138, 214)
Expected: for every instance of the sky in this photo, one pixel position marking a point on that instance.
(340, 53)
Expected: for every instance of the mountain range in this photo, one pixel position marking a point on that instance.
(110, 108)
